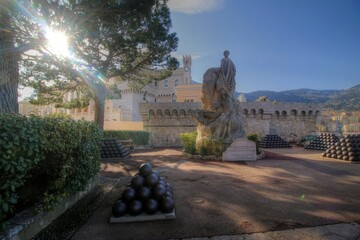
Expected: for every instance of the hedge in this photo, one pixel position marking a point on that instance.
(61, 154)
(138, 137)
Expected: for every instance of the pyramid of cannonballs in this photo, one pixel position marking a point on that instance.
(112, 149)
(348, 148)
(273, 141)
(323, 141)
(147, 193)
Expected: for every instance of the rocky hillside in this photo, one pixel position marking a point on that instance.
(348, 100)
(298, 95)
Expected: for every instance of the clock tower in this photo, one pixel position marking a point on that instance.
(187, 69)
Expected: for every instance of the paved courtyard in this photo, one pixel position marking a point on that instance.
(290, 188)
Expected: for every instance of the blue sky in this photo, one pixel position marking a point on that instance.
(275, 44)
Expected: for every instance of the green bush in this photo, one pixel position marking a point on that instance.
(254, 137)
(59, 153)
(213, 147)
(138, 137)
(189, 142)
(206, 148)
(21, 148)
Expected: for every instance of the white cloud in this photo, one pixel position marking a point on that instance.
(194, 6)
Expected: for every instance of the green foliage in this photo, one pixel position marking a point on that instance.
(60, 153)
(21, 147)
(128, 39)
(189, 142)
(254, 137)
(138, 137)
(211, 147)
(205, 148)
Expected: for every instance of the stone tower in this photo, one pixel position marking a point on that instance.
(187, 69)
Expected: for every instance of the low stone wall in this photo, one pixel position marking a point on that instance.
(27, 224)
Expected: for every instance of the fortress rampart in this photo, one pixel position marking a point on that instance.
(291, 121)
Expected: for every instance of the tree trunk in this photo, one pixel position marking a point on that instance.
(9, 68)
(99, 110)
(98, 88)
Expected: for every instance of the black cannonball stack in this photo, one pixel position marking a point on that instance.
(323, 142)
(112, 149)
(348, 148)
(146, 193)
(273, 141)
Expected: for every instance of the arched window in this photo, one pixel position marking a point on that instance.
(176, 82)
(261, 113)
(166, 83)
(277, 114)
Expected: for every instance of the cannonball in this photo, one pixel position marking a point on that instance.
(119, 208)
(159, 191)
(167, 205)
(143, 193)
(352, 158)
(169, 194)
(145, 169)
(151, 180)
(137, 181)
(129, 194)
(161, 182)
(151, 206)
(323, 154)
(345, 158)
(339, 157)
(135, 207)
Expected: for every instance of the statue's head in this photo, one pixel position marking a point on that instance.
(226, 53)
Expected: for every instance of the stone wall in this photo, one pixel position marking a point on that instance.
(165, 121)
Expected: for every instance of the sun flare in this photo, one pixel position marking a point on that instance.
(57, 42)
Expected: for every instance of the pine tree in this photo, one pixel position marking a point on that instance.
(128, 39)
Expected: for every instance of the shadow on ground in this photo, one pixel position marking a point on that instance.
(224, 198)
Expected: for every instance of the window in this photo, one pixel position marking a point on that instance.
(176, 82)
(189, 100)
(166, 83)
(155, 83)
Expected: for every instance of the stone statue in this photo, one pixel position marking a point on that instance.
(220, 119)
(228, 72)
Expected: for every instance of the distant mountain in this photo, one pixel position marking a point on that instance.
(348, 100)
(299, 95)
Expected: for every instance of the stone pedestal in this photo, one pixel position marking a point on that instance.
(240, 150)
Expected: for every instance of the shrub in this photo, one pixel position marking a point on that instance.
(59, 154)
(21, 148)
(138, 137)
(211, 147)
(189, 142)
(254, 137)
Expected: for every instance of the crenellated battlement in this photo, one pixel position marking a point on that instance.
(281, 110)
(291, 121)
